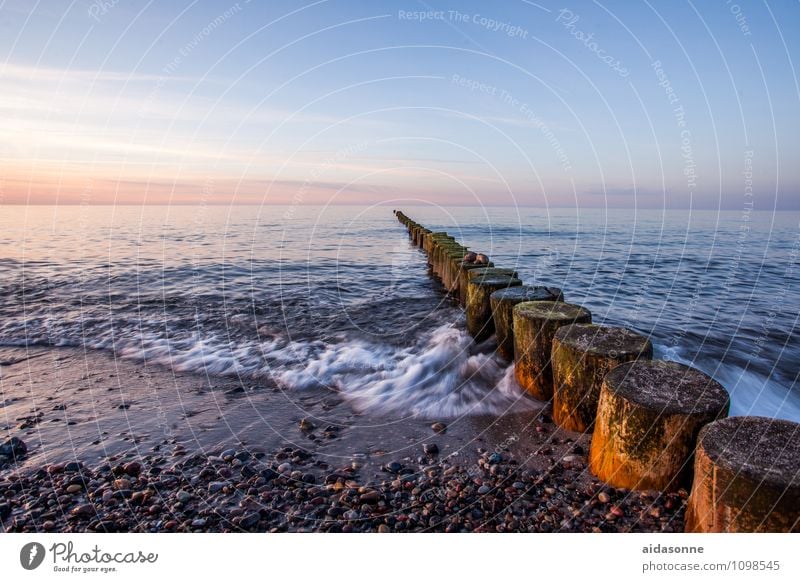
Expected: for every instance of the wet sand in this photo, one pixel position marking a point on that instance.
(200, 453)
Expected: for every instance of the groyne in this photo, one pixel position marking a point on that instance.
(655, 425)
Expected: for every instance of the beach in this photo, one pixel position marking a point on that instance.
(189, 459)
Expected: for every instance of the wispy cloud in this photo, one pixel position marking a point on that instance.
(624, 192)
(10, 72)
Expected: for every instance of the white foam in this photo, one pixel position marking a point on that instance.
(444, 375)
(750, 393)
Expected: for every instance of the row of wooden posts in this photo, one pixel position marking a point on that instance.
(655, 424)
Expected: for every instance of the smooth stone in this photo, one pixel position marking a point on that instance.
(431, 449)
(250, 520)
(13, 447)
(393, 467)
(370, 497)
(83, 510)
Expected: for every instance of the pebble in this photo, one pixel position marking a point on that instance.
(370, 497)
(83, 510)
(430, 449)
(216, 486)
(250, 520)
(13, 447)
(393, 467)
(439, 427)
(495, 495)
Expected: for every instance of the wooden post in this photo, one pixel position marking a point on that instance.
(479, 309)
(451, 255)
(582, 355)
(503, 302)
(436, 246)
(535, 324)
(746, 477)
(648, 418)
(463, 279)
(441, 257)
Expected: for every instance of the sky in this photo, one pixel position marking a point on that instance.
(577, 104)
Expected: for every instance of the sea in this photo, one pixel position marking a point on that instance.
(338, 297)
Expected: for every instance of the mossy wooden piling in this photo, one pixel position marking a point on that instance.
(648, 417)
(535, 324)
(746, 477)
(479, 309)
(462, 279)
(503, 302)
(581, 357)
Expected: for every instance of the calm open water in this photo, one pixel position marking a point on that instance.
(308, 296)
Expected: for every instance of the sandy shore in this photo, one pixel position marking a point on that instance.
(117, 445)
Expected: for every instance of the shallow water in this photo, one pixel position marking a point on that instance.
(337, 297)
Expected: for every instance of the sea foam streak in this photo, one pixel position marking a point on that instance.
(442, 375)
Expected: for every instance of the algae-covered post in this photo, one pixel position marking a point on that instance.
(462, 279)
(746, 477)
(648, 418)
(479, 308)
(535, 324)
(582, 355)
(503, 302)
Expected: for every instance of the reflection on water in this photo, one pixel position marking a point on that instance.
(337, 296)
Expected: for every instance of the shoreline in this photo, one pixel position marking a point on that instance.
(190, 458)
